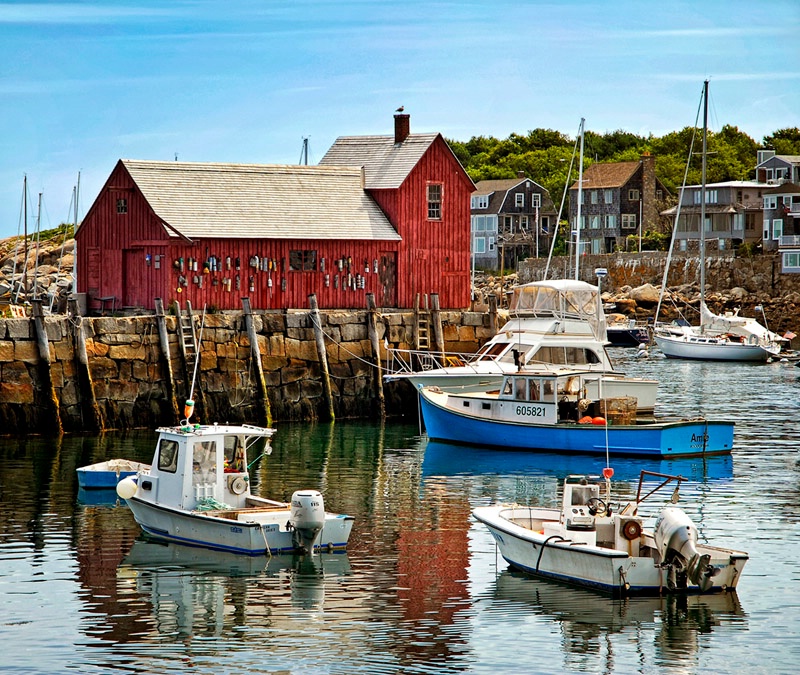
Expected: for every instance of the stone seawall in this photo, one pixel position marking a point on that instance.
(125, 380)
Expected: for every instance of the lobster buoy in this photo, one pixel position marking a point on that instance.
(188, 409)
(586, 419)
(599, 421)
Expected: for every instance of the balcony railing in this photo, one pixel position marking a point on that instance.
(789, 240)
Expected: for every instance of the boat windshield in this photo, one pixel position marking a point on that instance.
(572, 356)
(561, 299)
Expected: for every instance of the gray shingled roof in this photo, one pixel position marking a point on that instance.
(385, 163)
(206, 200)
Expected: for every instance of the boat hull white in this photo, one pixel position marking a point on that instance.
(712, 349)
(250, 531)
(614, 571)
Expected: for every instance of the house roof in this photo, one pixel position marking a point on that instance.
(607, 175)
(206, 200)
(487, 187)
(789, 159)
(386, 163)
(784, 189)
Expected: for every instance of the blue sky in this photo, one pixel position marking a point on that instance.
(84, 84)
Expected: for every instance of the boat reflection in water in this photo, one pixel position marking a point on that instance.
(196, 591)
(672, 624)
(448, 459)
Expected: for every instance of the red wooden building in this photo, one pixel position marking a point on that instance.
(388, 215)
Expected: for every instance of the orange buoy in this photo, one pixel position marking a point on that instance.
(600, 421)
(585, 420)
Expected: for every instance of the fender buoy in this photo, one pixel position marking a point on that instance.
(631, 530)
(600, 421)
(585, 420)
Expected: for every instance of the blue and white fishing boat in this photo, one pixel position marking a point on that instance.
(564, 410)
(197, 492)
(612, 548)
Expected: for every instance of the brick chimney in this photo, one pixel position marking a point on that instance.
(649, 206)
(402, 127)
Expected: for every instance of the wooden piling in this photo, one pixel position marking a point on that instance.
(436, 318)
(372, 330)
(45, 363)
(166, 359)
(255, 356)
(493, 314)
(322, 355)
(90, 412)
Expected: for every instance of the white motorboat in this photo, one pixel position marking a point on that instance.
(591, 542)
(197, 492)
(557, 323)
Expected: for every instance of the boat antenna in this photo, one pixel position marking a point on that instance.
(561, 208)
(580, 199)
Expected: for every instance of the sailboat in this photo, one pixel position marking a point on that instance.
(728, 337)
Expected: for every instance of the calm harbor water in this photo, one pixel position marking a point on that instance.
(421, 588)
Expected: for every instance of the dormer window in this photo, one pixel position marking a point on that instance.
(519, 199)
(480, 202)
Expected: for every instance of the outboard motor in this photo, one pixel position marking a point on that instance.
(676, 540)
(307, 518)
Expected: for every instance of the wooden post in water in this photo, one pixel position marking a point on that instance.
(322, 355)
(372, 330)
(255, 357)
(45, 362)
(493, 314)
(436, 317)
(166, 359)
(90, 412)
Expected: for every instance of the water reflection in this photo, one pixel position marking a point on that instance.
(198, 592)
(447, 459)
(670, 626)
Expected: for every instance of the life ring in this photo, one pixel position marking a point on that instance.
(632, 529)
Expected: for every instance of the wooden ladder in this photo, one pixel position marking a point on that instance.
(187, 338)
(422, 325)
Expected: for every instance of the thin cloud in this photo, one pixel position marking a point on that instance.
(72, 13)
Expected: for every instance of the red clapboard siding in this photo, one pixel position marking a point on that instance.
(132, 257)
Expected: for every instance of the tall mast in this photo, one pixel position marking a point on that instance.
(25, 237)
(580, 201)
(703, 206)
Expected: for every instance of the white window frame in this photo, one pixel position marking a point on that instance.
(777, 228)
(434, 193)
(770, 203)
(480, 202)
(608, 196)
(766, 228)
(633, 195)
(611, 221)
(479, 245)
(628, 221)
(519, 199)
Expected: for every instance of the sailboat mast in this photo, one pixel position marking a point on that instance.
(703, 205)
(580, 202)
(25, 236)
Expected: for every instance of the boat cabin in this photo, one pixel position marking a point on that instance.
(203, 467)
(569, 396)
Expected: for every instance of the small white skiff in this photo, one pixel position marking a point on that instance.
(197, 492)
(588, 542)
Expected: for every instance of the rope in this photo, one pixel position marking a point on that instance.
(341, 346)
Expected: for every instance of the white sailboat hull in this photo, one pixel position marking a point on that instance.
(703, 348)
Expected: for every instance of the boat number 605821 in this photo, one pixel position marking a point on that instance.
(530, 410)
